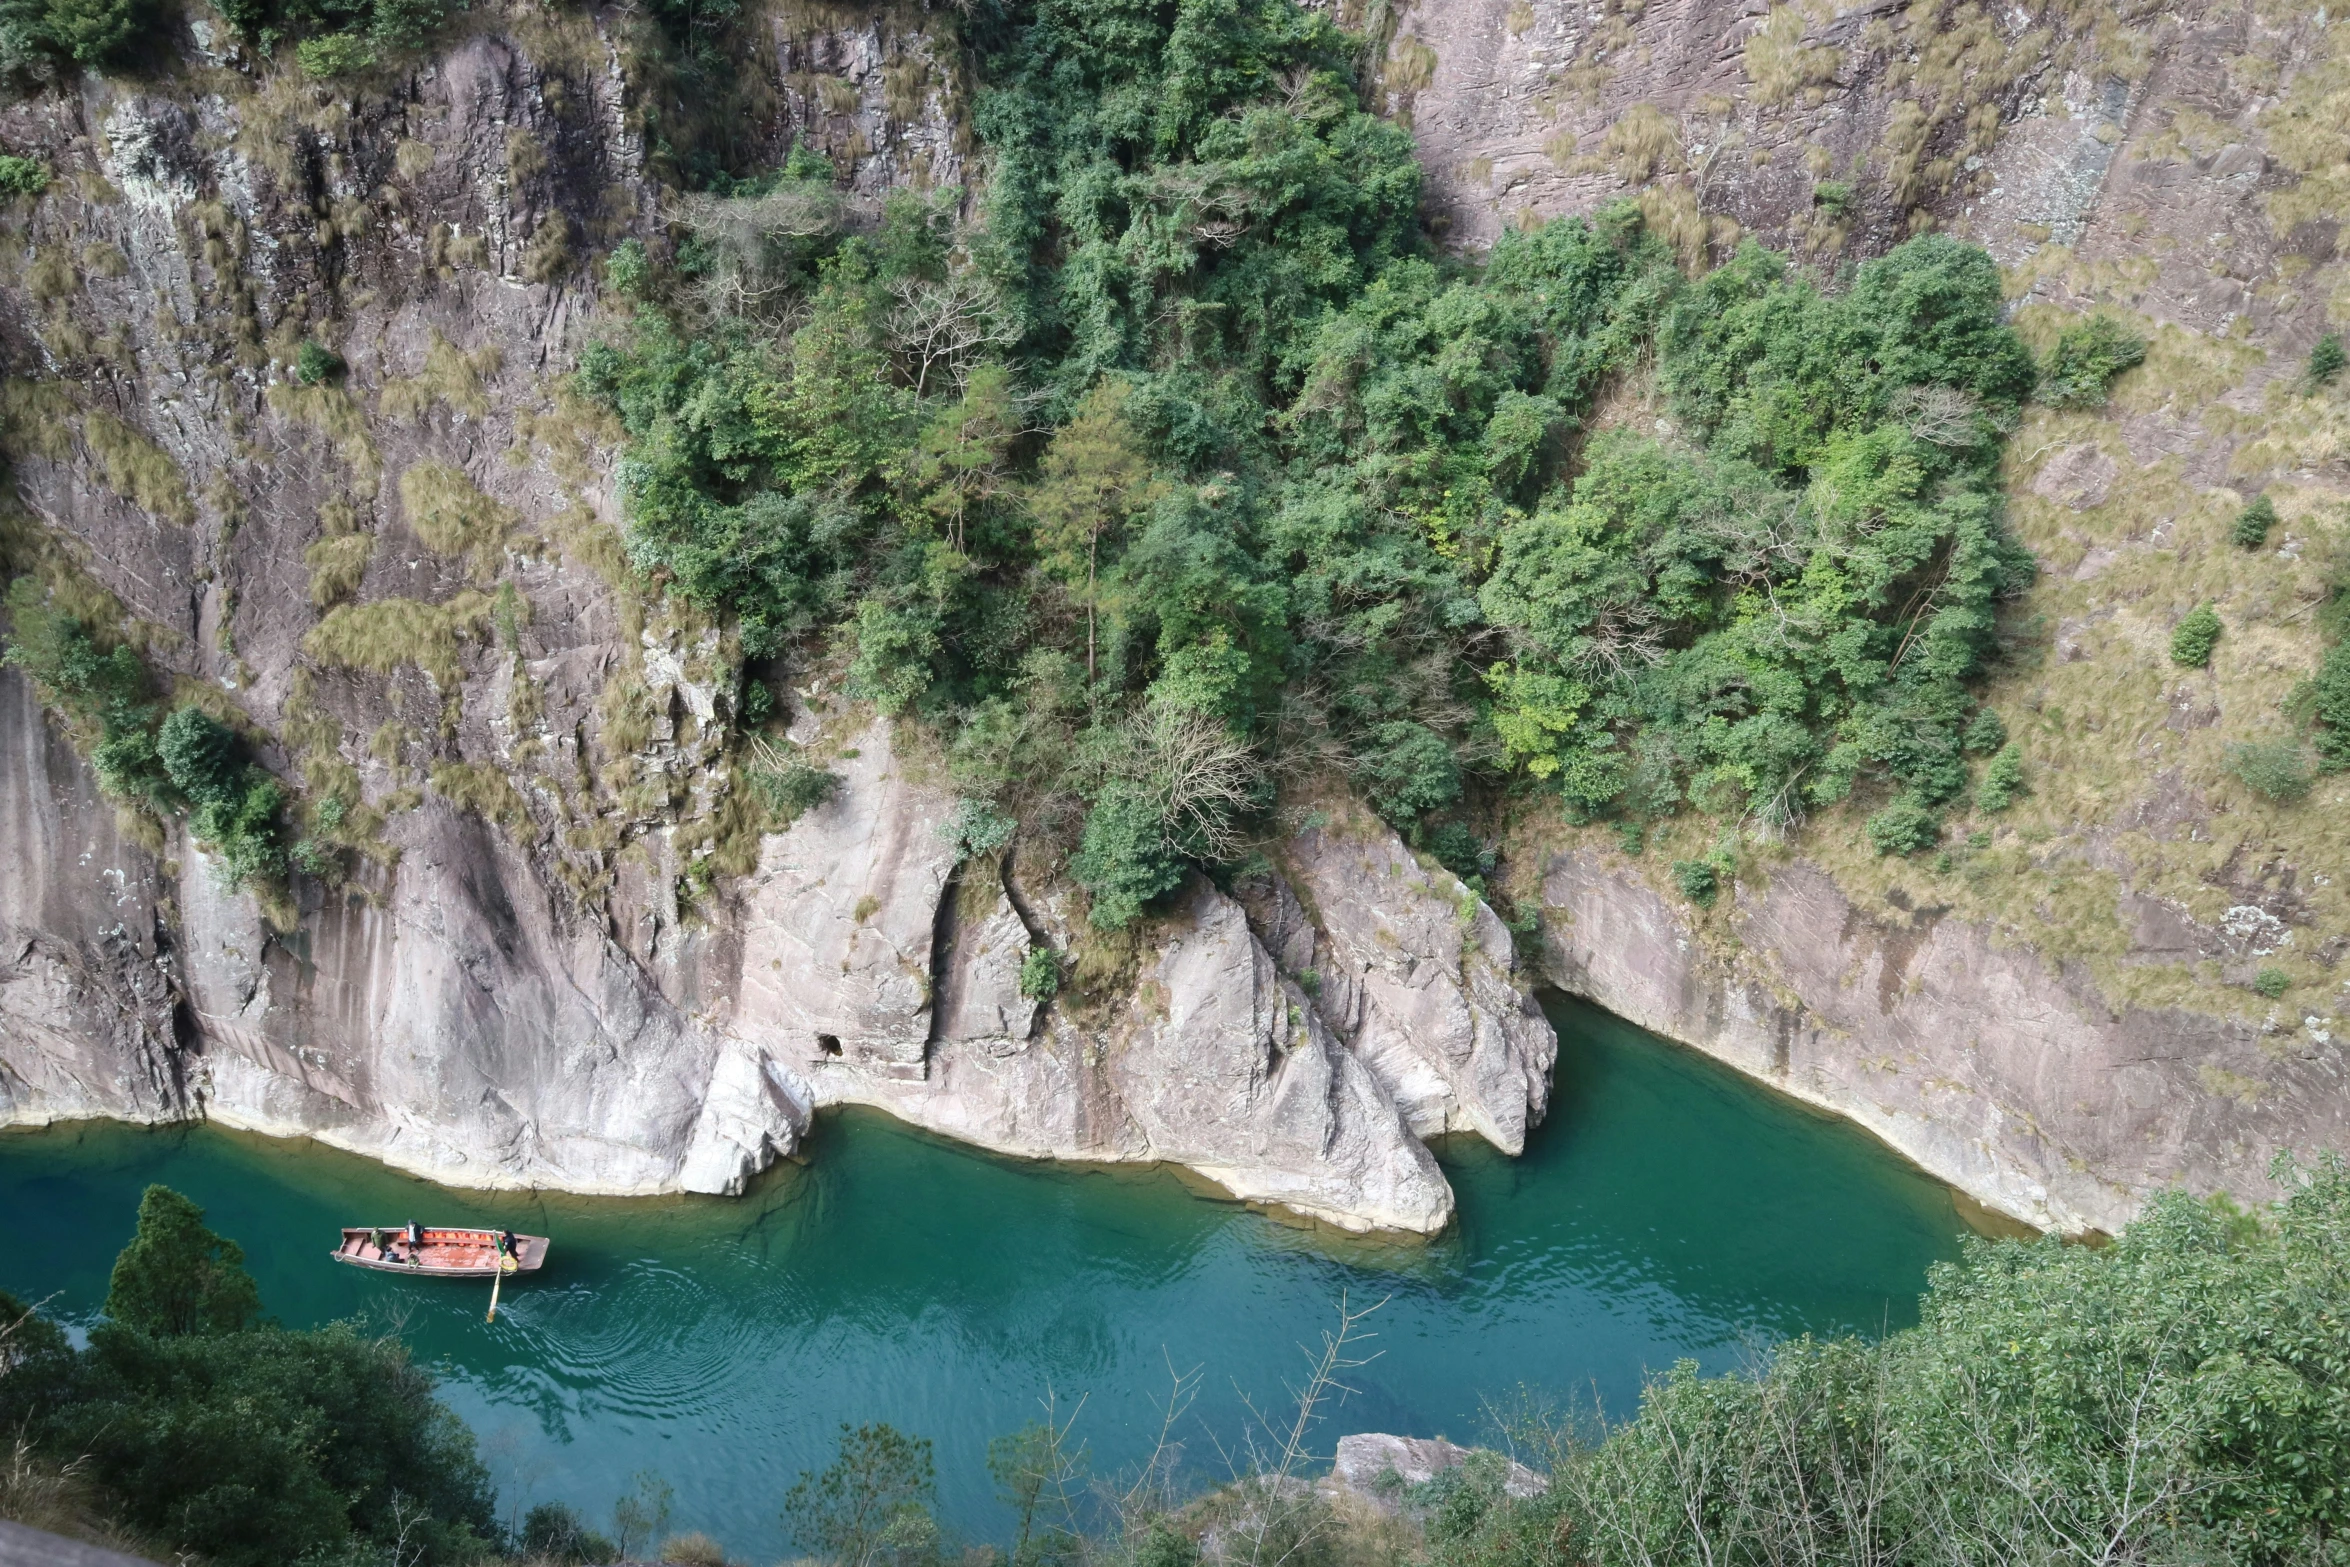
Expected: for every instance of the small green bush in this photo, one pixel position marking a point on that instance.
(794, 789)
(22, 176)
(2003, 780)
(404, 26)
(552, 1532)
(2330, 703)
(315, 366)
(2273, 769)
(234, 804)
(1833, 197)
(2196, 636)
(628, 269)
(2080, 369)
(2326, 360)
(336, 54)
(97, 33)
(1904, 827)
(1040, 974)
(2252, 524)
(1986, 734)
(2272, 982)
(1459, 850)
(1698, 880)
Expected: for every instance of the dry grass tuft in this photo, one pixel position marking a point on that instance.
(451, 515)
(382, 635)
(450, 377)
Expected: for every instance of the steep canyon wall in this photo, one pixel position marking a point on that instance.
(567, 955)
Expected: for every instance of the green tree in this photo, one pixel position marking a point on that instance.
(2251, 527)
(961, 457)
(2195, 636)
(2326, 360)
(871, 1505)
(2080, 369)
(98, 32)
(2003, 780)
(1094, 476)
(177, 1277)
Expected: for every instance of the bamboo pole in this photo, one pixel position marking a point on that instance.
(498, 1279)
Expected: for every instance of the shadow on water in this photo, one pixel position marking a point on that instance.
(1666, 1209)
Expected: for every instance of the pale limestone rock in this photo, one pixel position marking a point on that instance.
(1412, 971)
(979, 984)
(2008, 1076)
(1219, 1065)
(1236, 1076)
(756, 1112)
(1367, 1461)
(838, 922)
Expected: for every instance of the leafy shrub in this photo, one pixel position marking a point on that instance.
(97, 33)
(552, 1532)
(2272, 983)
(1834, 197)
(1985, 733)
(1405, 770)
(1904, 827)
(315, 366)
(2327, 359)
(791, 789)
(334, 55)
(1699, 882)
(2080, 369)
(2003, 780)
(234, 804)
(2276, 770)
(1040, 974)
(1124, 859)
(628, 270)
(1460, 851)
(105, 691)
(404, 26)
(2197, 634)
(22, 176)
(2330, 706)
(2250, 530)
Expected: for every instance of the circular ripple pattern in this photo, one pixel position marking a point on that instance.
(1666, 1210)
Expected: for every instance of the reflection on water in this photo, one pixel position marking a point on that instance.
(1667, 1209)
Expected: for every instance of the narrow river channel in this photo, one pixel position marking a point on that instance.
(1667, 1210)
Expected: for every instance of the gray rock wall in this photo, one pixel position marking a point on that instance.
(2011, 1079)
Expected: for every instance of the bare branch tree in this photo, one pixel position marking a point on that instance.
(943, 327)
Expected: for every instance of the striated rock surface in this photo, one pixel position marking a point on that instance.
(2003, 1074)
(1413, 971)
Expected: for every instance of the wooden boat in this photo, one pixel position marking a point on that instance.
(445, 1254)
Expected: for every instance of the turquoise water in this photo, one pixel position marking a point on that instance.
(1667, 1209)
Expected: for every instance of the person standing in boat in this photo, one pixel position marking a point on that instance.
(415, 1242)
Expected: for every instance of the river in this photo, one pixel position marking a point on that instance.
(1667, 1209)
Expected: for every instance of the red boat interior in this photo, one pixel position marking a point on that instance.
(460, 1250)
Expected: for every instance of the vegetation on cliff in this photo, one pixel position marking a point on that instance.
(160, 758)
(1187, 464)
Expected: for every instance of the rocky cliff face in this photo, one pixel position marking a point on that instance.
(566, 955)
(2057, 1013)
